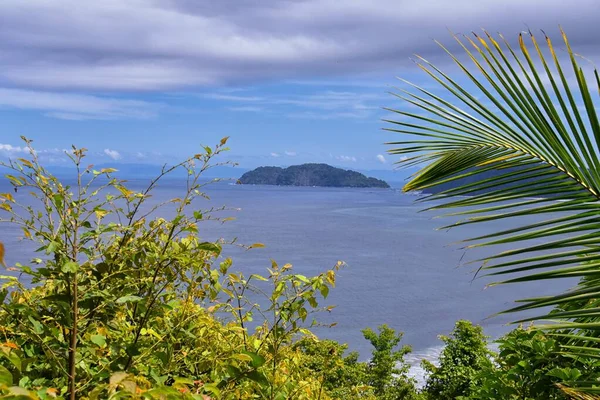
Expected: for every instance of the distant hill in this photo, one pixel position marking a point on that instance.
(394, 177)
(131, 170)
(309, 175)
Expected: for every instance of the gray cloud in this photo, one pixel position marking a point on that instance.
(167, 44)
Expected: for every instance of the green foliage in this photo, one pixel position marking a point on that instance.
(465, 354)
(342, 376)
(383, 377)
(530, 365)
(127, 304)
(387, 371)
(523, 368)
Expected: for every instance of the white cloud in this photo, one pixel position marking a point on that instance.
(7, 148)
(49, 155)
(290, 153)
(73, 106)
(275, 154)
(346, 158)
(115, 155)
(381, 158)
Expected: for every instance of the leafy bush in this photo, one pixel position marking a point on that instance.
(463, 357)
(387, 371)
(126, 304)
(530, 365)
(342, 376)
(383, 377)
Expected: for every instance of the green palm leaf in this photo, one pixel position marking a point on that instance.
(536, 127)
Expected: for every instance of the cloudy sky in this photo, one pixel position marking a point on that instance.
(289, 80)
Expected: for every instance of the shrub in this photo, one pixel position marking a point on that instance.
(123, 303)
(460, 362)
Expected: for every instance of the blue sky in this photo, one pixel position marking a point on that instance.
(279, 123)
(290, 81)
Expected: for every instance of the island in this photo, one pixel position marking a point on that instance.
(310, 175)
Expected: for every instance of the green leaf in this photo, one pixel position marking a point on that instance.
(211, 247)
(58, 200)
(212, 388)
(258, 377)
(259, 277)
(98, 340)
(163, 357)
(13, 358)
(233, 372)
(70, 267)
(133, 350)
(38, 328)
(128, 299)
(257, 360)
(52, 247)
(6, 377)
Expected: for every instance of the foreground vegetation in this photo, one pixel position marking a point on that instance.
(126, 304)
(126, 301)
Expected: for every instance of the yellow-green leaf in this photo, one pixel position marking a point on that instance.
(5, 376)
(70, 267)
(2, 255)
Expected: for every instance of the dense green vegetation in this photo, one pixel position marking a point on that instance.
(309, 175)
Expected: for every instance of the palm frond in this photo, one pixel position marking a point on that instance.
(519, 115)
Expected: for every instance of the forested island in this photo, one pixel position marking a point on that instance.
(310, 175)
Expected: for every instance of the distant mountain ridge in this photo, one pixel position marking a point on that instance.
(309, 175)
(133, 170)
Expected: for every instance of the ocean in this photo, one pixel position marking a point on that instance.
(400, 270)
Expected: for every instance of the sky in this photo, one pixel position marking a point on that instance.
(289, 81)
